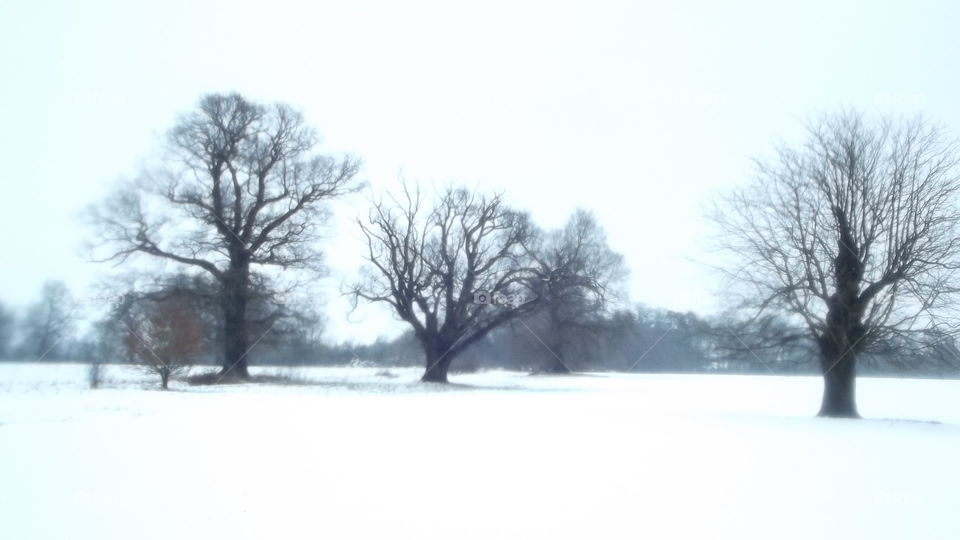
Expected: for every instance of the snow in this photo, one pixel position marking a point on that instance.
(353, 454)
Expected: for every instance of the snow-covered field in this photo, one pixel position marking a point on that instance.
(354, 454)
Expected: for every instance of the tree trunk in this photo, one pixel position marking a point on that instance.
(555, 364)
(557, 367)
(164, 378)
(839, 385)
(236, 343)
(841, 341)
(94, 375)
(438, 363)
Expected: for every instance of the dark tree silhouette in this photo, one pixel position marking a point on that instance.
(243, 188)
(580, 274)
(454, 272)
(855, 235)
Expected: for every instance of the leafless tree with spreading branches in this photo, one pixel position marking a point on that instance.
(163, 337)
(454, 271)
(855, 235)
(580, 274)
(49, 323)
(243, 187)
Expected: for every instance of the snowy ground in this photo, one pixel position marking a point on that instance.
(503, 455)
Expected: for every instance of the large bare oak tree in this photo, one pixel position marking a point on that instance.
(454, 270)
(855, 235)
(242, 187)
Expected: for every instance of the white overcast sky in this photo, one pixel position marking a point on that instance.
(640, 111)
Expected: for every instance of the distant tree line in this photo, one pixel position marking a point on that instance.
(648, 340)
(643, 339)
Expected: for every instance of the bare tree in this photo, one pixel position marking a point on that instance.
(580, 274)
(130, 300)
(49, 323)
(854, 234)
(164, 337)
(453, 272)
(243, 188)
